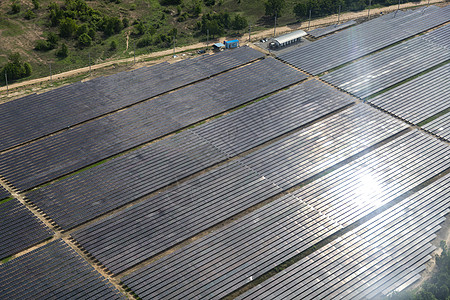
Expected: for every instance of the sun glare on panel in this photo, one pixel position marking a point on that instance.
(368, 191)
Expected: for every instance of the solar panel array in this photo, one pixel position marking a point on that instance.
(299, 156)
(440, 126)
(386, 68)
(319, 32)
(173, 216)
(59, 154)
(387, 252)
(38, 115)
(352, 43)
(19, 228)
(418, 99)
(83, 196)
(271, 117)
(205, 211)
(232, 256)
(53, 271)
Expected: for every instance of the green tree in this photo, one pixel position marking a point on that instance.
(16, 68)
(29, 15)
(84, 40)
(274, 7)
(113, 45)
(67, 27)
(63, 51)
(239, 22)
(36, 4)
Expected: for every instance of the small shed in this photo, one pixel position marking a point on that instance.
(218, 46)
(288, 39)
(231, 44)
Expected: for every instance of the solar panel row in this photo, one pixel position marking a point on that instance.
(299, 156)
(35, 116)
(381, 255)
(234, 255)
(67, 151)
(440, 126)
(318, 32)
(136, 234)
(3, 193)
(19, 228)
(88, 194)
(182, 210)
(53, 271)
(418, 99)
(357, 41)
(377, 72)
(271, 117)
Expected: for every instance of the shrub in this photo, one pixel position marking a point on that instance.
(170, 2)
(15, 7)
(36, 4)
(125, 22)
(67, 27)
(63, 51)
(29, 15)
(84, 40)
(41, 45)
(133, 7)
(113, 45)
(16, 68)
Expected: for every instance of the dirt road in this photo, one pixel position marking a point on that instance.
(243, 40)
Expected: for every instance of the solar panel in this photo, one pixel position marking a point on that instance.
(357, 41)
(377, 72)
(440, 126)
(299, 156)
(319, 32)
(91, 193)
(227, 259)
(3, 193)
(150, 227)
(383, 254)
(53, 271)
(34, 116)
(80, 146)
(19, 228)
(418, 99)
(276, 115)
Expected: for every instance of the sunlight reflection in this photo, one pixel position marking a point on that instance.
(369, 191)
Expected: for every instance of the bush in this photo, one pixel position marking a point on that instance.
(30, 15)
(113, 45)
(16, 68)
(133, 7)
(209, 2)
(63, 51)
(125, 22)
(52, 40)
(144, 42)
(41, 45)
(67, 27)
(36, 4)
(15, 7)
(170, 2)
(84, 40)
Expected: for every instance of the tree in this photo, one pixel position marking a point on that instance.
(274, 7)
(239, 22)
(15, 7)
(113, 45)
(63, 51)
(84, 40)
(67, 27)
(29, 15)
(16, 68)
(36, 4)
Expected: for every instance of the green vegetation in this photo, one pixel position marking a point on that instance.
(91, 26)
(16, 68)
